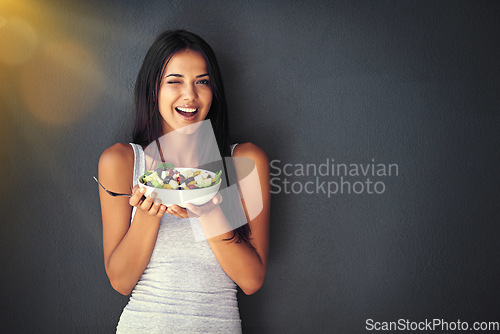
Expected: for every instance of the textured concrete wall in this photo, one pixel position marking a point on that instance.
(413, 84)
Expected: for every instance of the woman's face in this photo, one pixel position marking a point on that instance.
(185, 95)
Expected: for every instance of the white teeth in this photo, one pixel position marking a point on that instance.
(187, 109)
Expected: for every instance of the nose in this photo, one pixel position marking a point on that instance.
(190, 93)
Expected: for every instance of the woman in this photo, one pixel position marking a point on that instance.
(176, 283)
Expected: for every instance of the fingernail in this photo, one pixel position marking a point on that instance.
(142, 190)
(152, 196)
(157, 201)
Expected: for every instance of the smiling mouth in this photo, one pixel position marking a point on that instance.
(187, 112)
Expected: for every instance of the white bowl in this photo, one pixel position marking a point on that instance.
(183, 197)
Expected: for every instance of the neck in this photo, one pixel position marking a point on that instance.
(180, 148)
(190, 146)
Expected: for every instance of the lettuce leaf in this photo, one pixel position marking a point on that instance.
(217, 177)
(165, 165)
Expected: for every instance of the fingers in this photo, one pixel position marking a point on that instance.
(153, 207)
(149, 204)
(217, 199)
(177, 211)
(197, 211)
(136, 195)
(194, 211)
(157, 209)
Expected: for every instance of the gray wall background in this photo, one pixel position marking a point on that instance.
(415, 83)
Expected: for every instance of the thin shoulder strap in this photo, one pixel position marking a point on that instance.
(232, 148)
(224, 163)
(139, 162)
(159, 150)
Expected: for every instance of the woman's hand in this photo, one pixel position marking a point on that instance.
(195, 211)
(151, 205)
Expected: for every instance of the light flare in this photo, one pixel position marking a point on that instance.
(61, 83)
(18, 40)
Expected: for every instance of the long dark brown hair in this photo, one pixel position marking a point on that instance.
(148, 125)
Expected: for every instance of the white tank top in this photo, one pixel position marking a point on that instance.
(183, 289)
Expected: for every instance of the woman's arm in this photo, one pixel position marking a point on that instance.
(127, 247)
(244, 263)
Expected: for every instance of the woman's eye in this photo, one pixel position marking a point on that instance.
(173, 82)
(203, 82)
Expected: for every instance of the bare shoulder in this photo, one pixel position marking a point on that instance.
(116, 167)
(116, 155)
(251, 151)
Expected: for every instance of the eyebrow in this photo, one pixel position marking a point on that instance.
(181, 76)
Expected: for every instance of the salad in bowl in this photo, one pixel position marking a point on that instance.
(178, 185)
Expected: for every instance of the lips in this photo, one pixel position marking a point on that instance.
(187, 113)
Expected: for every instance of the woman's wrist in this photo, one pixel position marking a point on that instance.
(142, 217)
(214, 223)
